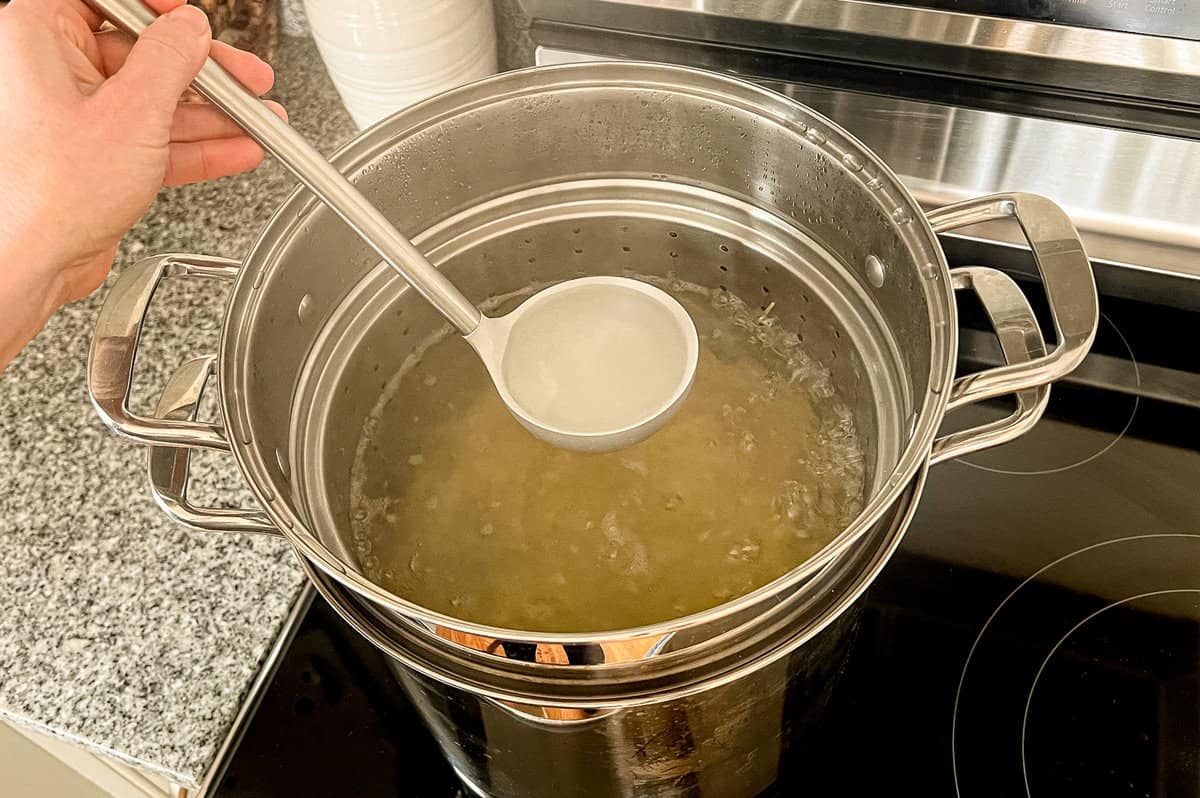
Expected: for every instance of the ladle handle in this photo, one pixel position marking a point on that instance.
(311, 168)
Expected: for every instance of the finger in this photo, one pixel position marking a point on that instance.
(254, 73)
(76, 8)
(93, 18)
(193, 161)
(161, 64)
(114, 47)
(201, 121)
(70, 19)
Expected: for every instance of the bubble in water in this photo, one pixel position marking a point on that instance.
(822, 389)
(795, 502)
(636, 466)
(745, 551)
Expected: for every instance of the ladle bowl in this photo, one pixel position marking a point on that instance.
(591, 364)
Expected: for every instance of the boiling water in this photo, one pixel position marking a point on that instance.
(457, 508)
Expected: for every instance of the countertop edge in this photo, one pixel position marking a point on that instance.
(249, 702)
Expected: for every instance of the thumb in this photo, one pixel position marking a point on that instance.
(164, 60)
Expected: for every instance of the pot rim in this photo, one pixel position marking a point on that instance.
(916, 231)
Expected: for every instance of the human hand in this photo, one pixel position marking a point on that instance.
(92, 127)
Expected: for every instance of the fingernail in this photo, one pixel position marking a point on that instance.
(193, 18)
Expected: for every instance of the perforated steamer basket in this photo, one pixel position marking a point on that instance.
(605, 168)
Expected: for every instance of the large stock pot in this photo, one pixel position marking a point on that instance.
(546, 174)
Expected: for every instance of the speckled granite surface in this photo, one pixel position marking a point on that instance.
(118, 629)
(515, 47)
(293, 20)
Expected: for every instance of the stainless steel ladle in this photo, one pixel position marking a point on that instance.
(540, 386)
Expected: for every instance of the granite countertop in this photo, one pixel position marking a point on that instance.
(120, 630)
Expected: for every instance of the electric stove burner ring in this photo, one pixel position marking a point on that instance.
(1054, 650)
(1101, 563)
(1083, 460)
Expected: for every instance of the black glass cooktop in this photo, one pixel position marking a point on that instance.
(1037, 634)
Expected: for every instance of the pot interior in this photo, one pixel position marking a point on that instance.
(552, 173)
(576, 230)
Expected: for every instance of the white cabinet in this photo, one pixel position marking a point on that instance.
(39, 764)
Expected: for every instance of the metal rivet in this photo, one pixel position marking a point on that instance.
(876, 271)
(304, 309)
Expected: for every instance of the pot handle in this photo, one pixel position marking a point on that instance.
(169, 466)
(1066, 275)
(115, 344)
(1021, 342)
